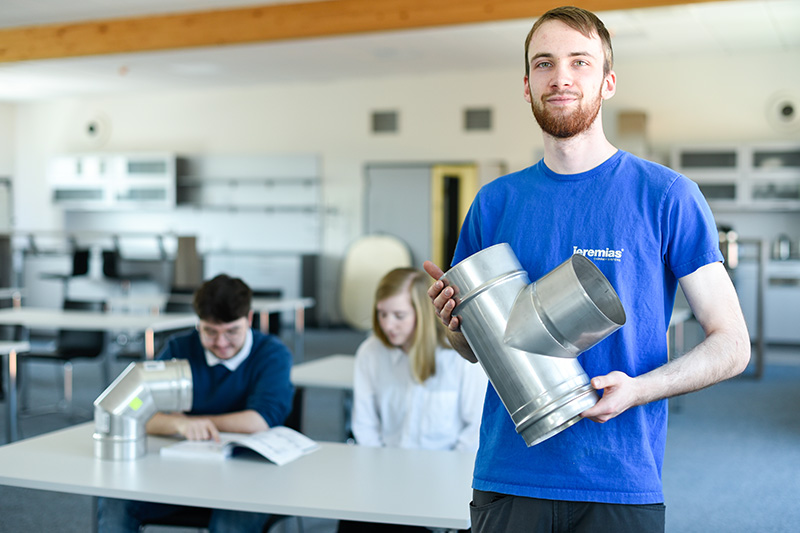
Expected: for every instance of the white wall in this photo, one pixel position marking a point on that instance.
(719, 98)
(695, 99)
(7, 112)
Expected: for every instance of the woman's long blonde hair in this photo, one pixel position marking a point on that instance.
(429, 332)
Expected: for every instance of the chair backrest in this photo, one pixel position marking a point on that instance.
(81, 343)
(187, 269)
(367, 260)
(111, 264)
(80, 262)
(173, 306)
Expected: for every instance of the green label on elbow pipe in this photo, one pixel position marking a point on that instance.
(135, 404)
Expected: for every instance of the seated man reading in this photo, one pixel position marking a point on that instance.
(241, 381)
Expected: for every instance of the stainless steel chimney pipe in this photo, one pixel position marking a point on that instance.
(123, 409)
(527, 336)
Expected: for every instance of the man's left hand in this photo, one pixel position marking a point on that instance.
(619, 395)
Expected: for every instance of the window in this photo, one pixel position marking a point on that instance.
(384, 122)
(478, 119)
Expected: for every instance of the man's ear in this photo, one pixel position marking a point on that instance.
(609, 85)
(526, 92)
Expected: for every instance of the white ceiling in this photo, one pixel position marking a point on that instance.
(725, 27)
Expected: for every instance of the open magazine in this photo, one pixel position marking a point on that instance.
(280, 445)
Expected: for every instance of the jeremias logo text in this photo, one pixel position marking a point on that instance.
(599, 254)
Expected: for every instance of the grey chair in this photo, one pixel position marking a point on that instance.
(198, 517)
(80, 268)
(174, 305)
(69, 346)
(112, 271)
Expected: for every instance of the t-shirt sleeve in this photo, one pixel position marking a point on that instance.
(690, 235)
(469, 240)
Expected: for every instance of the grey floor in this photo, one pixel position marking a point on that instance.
(732, 463)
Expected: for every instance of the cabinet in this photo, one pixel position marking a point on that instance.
(113, 181)
(781, 299)
(751, 177)
(774, 176)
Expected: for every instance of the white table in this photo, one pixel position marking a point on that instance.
(36, 317)
(339, 481)
(9, 350)
(264, 306)
(33, 317)
(329, 372)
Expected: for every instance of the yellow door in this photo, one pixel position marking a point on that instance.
(453, 187)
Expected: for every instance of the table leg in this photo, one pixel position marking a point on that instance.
(149, 344)
(299, 330)
(347, 407)
(11, 397)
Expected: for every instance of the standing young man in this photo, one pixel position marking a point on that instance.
(586, 195)
(241, 384)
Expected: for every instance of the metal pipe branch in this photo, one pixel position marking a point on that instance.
(527, 336)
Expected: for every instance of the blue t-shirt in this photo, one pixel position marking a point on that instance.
(262, 382)
(644, 226)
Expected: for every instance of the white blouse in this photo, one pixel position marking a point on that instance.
(391, 409)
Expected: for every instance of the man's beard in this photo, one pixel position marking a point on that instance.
(562, 125)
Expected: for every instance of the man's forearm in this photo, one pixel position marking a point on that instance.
(717, 358)
(247, 421)
(725, 351)
(164, 424)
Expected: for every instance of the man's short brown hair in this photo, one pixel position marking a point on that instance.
(580, 20)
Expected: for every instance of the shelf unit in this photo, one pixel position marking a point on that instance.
(274, 200)
(755, 177)
(271, 183)
(253, 194)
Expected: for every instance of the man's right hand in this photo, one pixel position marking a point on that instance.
(442, 297)
(198, 428)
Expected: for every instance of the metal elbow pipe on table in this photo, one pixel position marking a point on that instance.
(123, 409)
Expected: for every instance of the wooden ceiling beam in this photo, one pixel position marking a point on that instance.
(272, 22)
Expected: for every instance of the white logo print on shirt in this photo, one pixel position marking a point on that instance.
(600, 254)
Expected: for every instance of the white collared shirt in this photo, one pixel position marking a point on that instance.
(391, 409)
(233, 363)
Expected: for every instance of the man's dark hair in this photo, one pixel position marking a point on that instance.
(222, 299)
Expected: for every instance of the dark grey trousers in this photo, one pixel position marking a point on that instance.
(492, 512)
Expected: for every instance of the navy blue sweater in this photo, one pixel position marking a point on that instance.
(262, 382)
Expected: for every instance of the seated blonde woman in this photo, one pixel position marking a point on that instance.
(411, 390)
